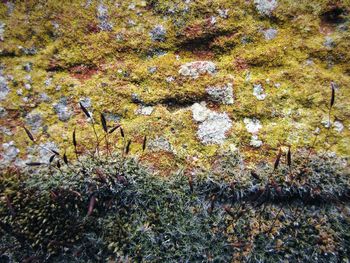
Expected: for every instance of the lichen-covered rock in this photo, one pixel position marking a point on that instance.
(222, 94)
(197, 68)
(3, 112)
(212, 126)
(158, 33)
(45, 151)
(4, 89)
(2, 31)
(200, 112)
(255, 142)
(338, 126)
(144, 110)
(329, 42)
(270, 33)
(9, 152)
(34, 120)
(102, 15)
(252, 125)
(265, 7)
(62, 109)
(160, 144)
(258, 92)
(28, 66)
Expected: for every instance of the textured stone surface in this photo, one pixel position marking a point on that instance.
(197, 68)
(212, 126)
(158, 33)
(121, 57)
(9, 152)
(270, 33)
(265, 7)
(62, 109)
(4, 89)
(222, 94)
(144, 110)
(258, 92)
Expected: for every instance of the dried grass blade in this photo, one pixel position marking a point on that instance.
(29, 134)
(85, 110)
(104, 123)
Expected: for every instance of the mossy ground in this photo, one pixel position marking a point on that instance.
(113, 209)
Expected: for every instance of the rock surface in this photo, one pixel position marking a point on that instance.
(144, 64)
(212, 126)
(197, 68)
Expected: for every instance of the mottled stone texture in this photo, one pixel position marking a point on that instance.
(202, 75)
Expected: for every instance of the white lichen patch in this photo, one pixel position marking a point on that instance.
(200, 112)
(223, 94)
(258, 92)
(144, 110)
(9, 152)
(4, 89)
(160, 144)
(197, 68)
(338, 126)
(255, 142)
(2, 31)
(252, 125)
(270, 33)
(265, 7)
(213, 125)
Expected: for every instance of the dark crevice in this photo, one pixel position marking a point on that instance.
(334, 16)
(175, 103)
(203, 42)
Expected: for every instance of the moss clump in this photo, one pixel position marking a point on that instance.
(113, 208)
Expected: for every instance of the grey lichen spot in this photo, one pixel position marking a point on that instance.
(258, 92)
(144, 110)
(197, 68)
(200, 112)
(152, 70)
(270, 33)
(102, 15)
(212, 126)
(6, 131)
(252, 125)
(9, 152)
(255, 142)
(28, 51)
(2, 30)
(112, 117)
(265, 7)
(158, 33)
(48, 82)
(3, 112)
(28, 66)
(338, 126)
(135, 98)
(223, 13)
(86, 102)
(34, 120)
(4, 89)
(10, 7)
(160, 144)
(223, 94)
(63, 111)
(329, 42)
(44, 97)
